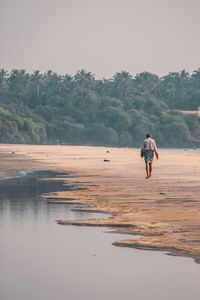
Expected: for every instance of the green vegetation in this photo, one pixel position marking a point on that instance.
(47, 108)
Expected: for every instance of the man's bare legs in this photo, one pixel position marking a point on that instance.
(148, 169)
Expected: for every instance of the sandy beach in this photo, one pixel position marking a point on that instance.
(165, 209)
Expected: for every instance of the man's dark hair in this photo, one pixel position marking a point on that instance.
(148, 135)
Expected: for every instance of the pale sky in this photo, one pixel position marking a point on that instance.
(101, 36)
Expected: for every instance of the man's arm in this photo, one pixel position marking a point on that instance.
(156, 151)
(142, 150)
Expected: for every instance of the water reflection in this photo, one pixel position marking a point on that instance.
(19, 195)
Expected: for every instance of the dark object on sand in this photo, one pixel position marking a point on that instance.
(106, 160)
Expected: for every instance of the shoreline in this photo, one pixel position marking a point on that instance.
(164, 210)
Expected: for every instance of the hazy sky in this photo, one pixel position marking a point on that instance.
(101, 36)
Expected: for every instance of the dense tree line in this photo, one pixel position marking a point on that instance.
(51, 108)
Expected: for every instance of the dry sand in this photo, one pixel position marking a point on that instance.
(165, 209)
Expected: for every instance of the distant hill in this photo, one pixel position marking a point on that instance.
(51, 108)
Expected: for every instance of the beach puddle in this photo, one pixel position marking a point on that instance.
(42, 260)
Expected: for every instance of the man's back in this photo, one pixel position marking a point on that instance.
(149, 144)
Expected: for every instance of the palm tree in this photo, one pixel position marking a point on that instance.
(18, 83)
(3, 83)
(84, 79)
(146, 82)
(3, 75)
(36, 79)
(123, 88)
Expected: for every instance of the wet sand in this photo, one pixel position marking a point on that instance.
(165, 209)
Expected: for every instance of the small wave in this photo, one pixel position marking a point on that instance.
(19, 174)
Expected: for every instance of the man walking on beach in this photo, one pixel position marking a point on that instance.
(147, 151)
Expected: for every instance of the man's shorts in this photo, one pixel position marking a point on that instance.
(148, 156)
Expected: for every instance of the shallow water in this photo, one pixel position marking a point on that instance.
(42, 260)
